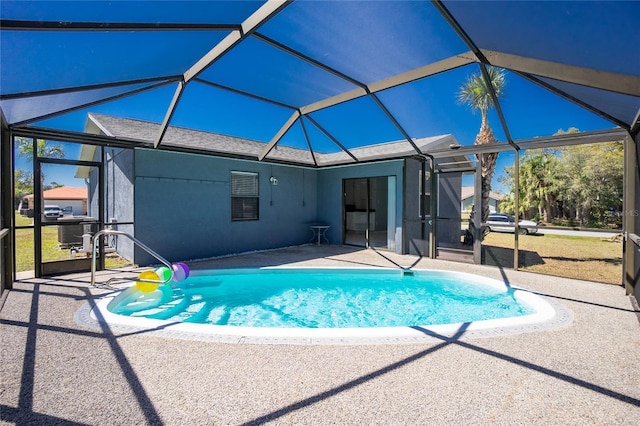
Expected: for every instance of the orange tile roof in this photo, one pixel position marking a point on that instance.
(65, 193)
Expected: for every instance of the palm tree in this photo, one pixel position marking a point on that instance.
(539, 176)
(475, 93)
(44, 148)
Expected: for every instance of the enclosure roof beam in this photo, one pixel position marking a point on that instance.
(331, 137)
(167, 118)
(574, 139)
(78, 137)
(538, 143)
(307, 59)
(251, 24)
(612, 82)
(573, 99)
(434, 68)
(276, 138)
(481, 57)
(306, 137)
(496, 104)
(247, 94)
(635, 128)
(459, 30)
(64, 90)
(388, 83)
(19, 25)
(395, 123)
(90, 104)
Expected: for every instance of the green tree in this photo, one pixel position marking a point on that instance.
(44, 148)
(593, 176)
(508, 205)
(540, 179)
(583, 182)
(475, 92)
(52, 185)
(23, 182)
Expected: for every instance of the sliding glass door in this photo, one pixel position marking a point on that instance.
(369, 212)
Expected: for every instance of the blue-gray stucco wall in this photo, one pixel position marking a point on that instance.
(416, 232)
(118, 193)
(448, 233)
(330, 193)
(182, 206)
(119, 203)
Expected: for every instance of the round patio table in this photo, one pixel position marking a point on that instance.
(319, 232)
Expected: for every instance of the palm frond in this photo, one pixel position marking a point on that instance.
(475, 90)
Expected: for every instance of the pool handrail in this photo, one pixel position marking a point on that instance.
(95, 238)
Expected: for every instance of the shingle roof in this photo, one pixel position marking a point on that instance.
(179, 137)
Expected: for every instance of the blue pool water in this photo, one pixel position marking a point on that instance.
(325, 298)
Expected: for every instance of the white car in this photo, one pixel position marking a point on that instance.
(53, 211)
(499, 222)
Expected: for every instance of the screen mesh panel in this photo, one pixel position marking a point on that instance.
(361, 39)
(580, 33)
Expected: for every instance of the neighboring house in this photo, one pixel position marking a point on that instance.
(191, 206)
(468, 200)
(72, 200)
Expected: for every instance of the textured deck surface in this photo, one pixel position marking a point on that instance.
(56, 371)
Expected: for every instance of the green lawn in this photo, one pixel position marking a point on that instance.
(594, 259)
(585, 258)
(50, 249)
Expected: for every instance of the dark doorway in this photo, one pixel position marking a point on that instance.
(369, 212)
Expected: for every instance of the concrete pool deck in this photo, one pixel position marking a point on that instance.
(56, 371)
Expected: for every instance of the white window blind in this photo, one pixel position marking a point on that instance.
(244, 196)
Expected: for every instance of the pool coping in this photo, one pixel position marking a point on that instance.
(549, 315)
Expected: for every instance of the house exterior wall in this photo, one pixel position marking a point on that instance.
(494, 206)
(416, 240)
(119, 205)
(183, 206)
(467, 204)
(329, 194)
(78, 207)
(93, 193)
(448, 233)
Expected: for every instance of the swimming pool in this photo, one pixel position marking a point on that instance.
(312, 304)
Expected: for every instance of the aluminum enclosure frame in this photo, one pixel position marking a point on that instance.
(532, 69)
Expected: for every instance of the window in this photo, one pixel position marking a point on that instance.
(244, 196)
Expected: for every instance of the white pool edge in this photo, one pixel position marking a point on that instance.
(548, 314)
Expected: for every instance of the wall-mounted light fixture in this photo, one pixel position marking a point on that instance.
(273, 180)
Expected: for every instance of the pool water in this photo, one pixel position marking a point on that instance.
(325, 298)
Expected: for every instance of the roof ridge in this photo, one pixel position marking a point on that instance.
(173, 126)
(228, 144)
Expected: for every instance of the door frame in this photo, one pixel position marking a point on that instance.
(73, 266)
(438, 220)
(391, 195)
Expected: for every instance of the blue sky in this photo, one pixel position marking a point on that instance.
(530, 112)
(424, 108)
